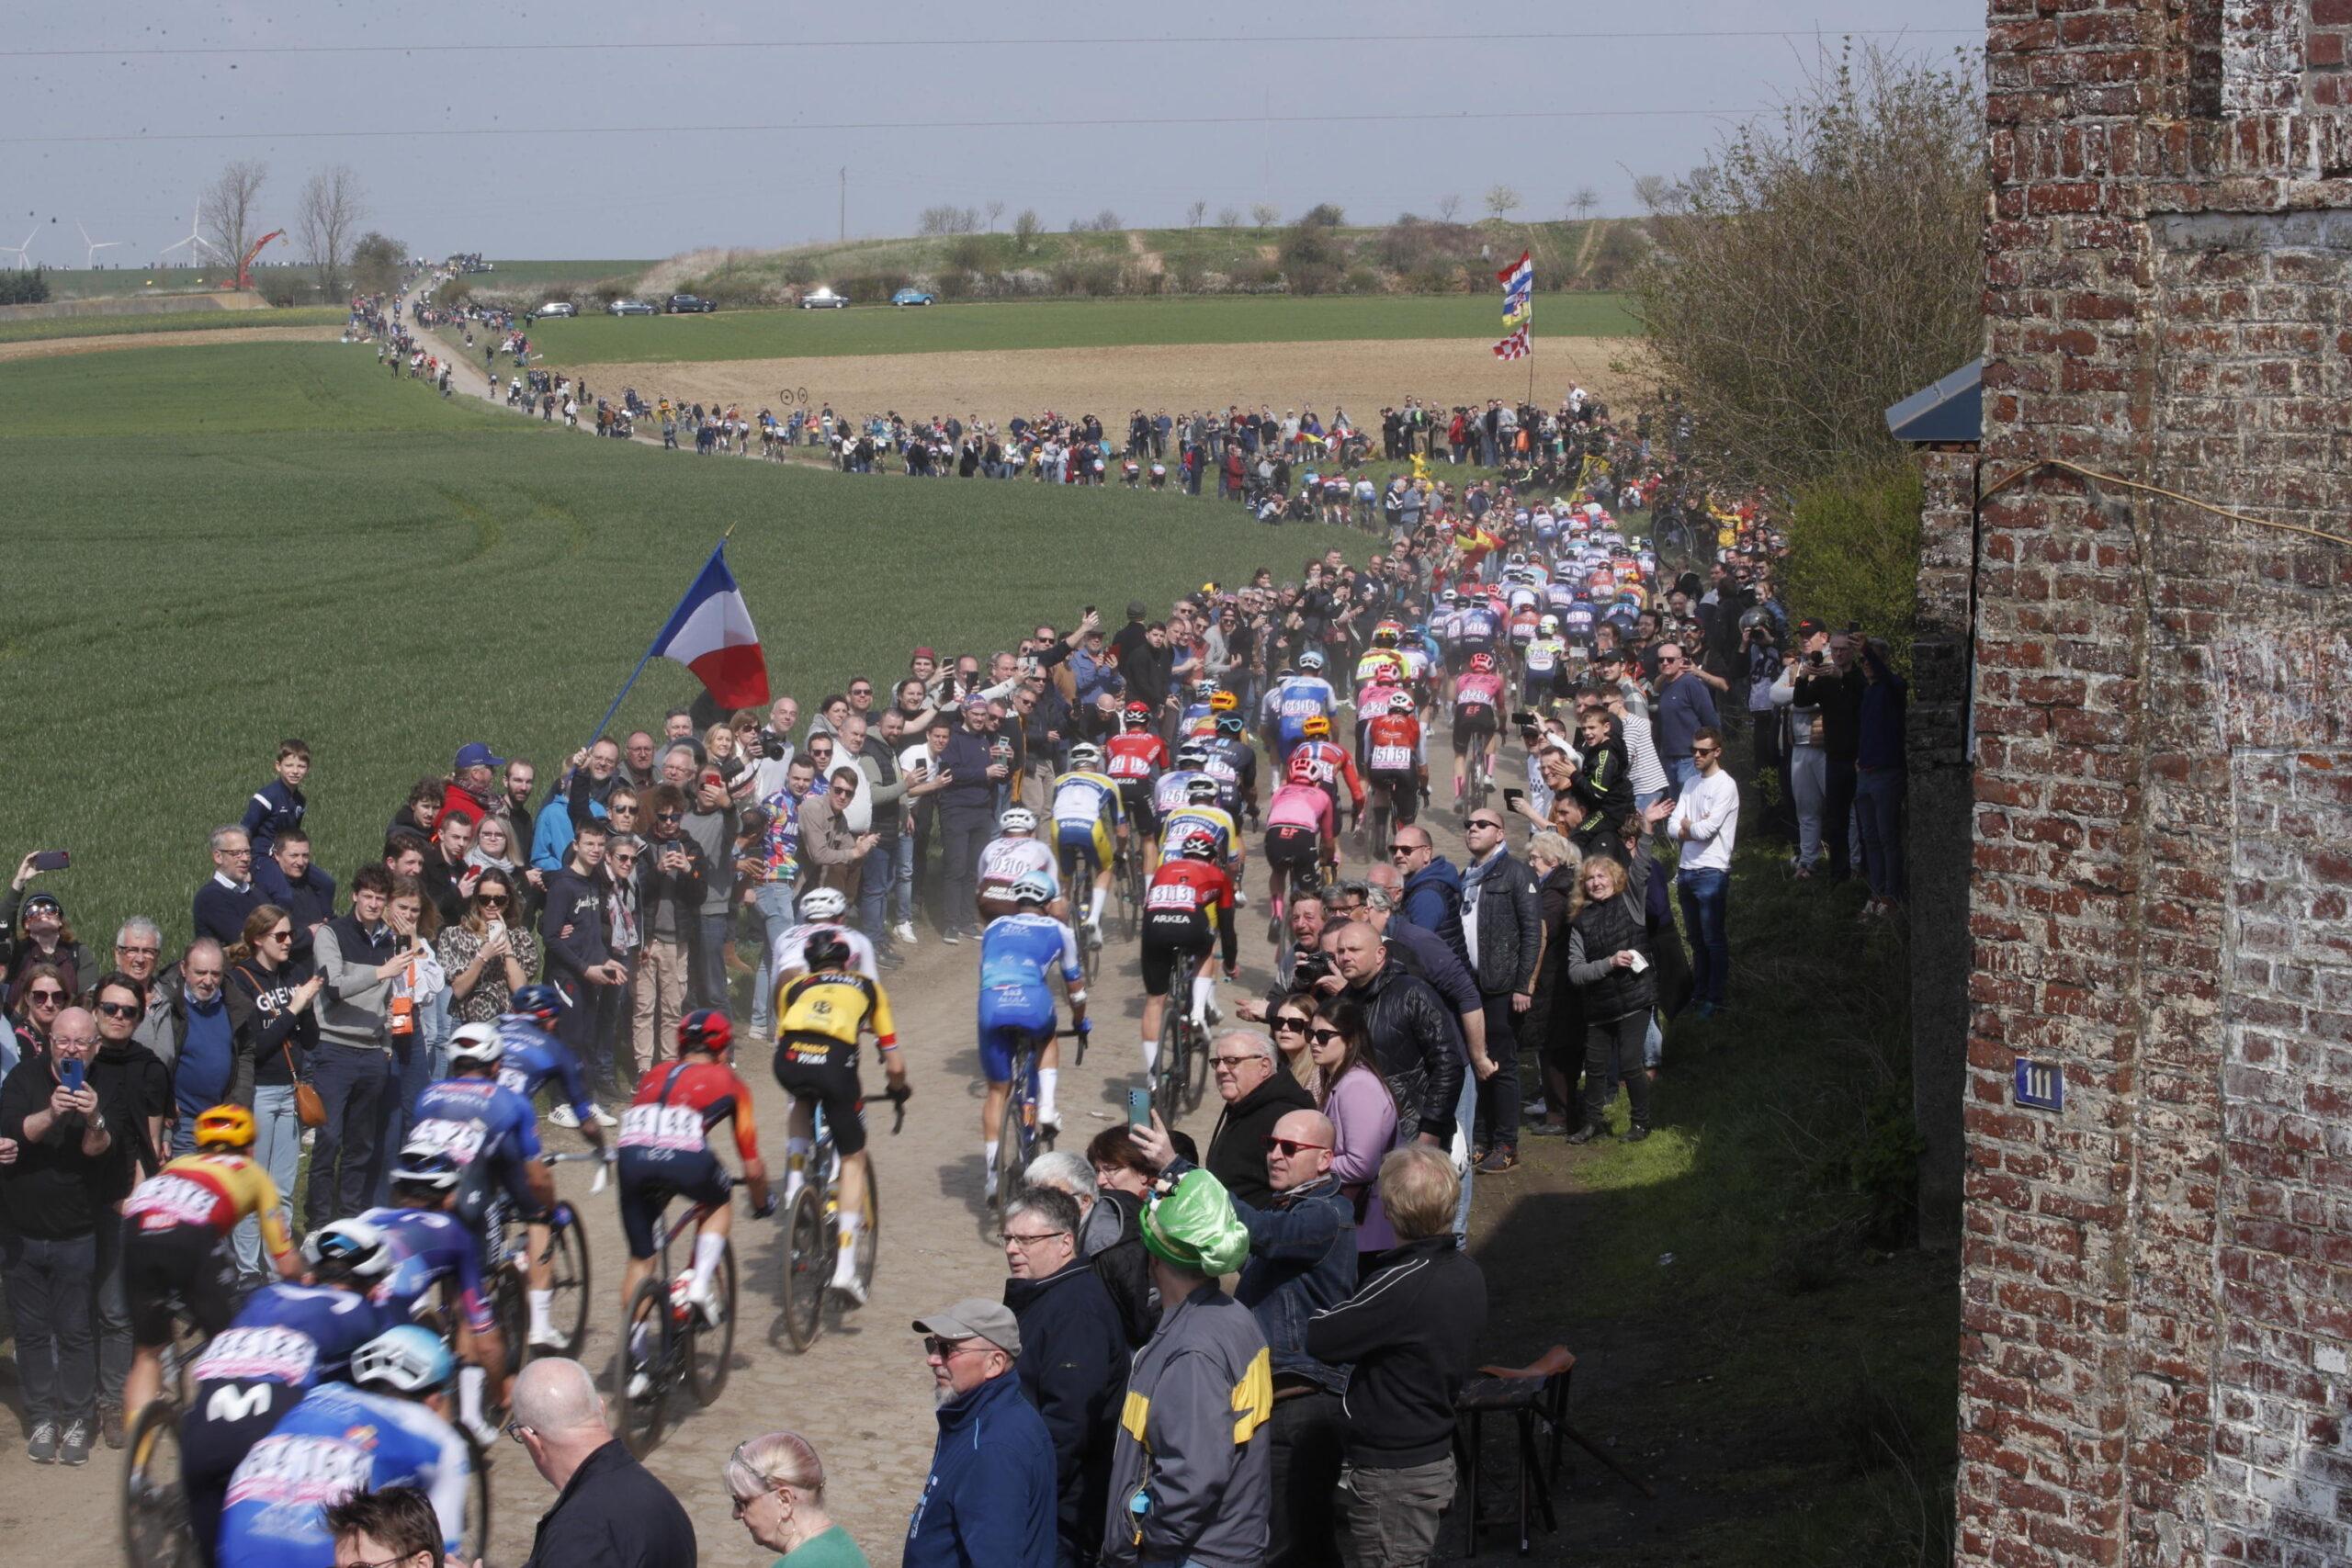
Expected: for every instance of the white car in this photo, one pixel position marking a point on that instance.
(823, 299)
(557, 308)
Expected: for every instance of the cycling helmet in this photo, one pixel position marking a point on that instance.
(1447, 596)
(543, 1002)
(224, 1127)
(1205, 691)
(1385, 634)
(1401, 703)
(1384, 676)
(1309, 663)
(1085, 757)
(1316, 728)
(1031, 888)
(1229, 723)
(1199, 844)
(1018, 819)
(706, 1029)
(476, 1045)
(408, 1359)
(1549, 625)
(1137, 716)
(426, 1167)
(353, 1249)
(1191, 754)
(1224, 702)
(828, 904)
(827, 950)
(1482, 663)
(1302, 768)
(1200, 791)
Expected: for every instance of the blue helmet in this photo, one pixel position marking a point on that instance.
(542, 1001)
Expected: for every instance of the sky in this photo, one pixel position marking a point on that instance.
(602, 129)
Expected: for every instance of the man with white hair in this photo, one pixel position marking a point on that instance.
(608, 1507)
(1258, 1092)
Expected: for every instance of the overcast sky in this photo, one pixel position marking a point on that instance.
(137, 104)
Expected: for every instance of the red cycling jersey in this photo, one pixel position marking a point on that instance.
(1331, 763)
(677, 1103)
(1186, 887)
(1393, 743)
(1138, 754)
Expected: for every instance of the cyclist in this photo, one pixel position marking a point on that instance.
(491, 1133)
(434, 1252)
(1190, 899)
(1230, 759)
(1371, 702)
(1200, 712)
(665, 1153)
(1543, 664)
(1302, 834)
(1477, 710)
(821, 1017)
(1384, 654)
(822, 909)
(1086, 819)
(1017, 851)
(1174, 790)
(1293, 702)
(1135, 757)
(284, 1341)
(1201, 813)
(1018, 951)
(173, 1226)
(1399, 762)
(1471, 631)
(387, 1430)
(1332, 764)
(531, 1056)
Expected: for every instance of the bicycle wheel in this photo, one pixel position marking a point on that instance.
(710, 1347)
(1196, 1063)
(1168, 1065)
(155, 1531)
(569, 1281)
(473, 1534)
(869, 1246)
(640, 1417)
(510, 1309)
(1016, 1134)
(808, 1265)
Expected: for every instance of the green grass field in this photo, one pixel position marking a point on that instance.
(217, 547)
(35, 330)
(782, 335)
(113, 282)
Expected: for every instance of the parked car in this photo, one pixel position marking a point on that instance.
(555, 308)
(823, 299)
(913, 297)
(690, 305)
(630, 307)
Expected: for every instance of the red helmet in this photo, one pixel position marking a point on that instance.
(706, 1029)
(1301, 767)
(1199, 844)
(1482, 663)
(1137, 716)
(1384, 676)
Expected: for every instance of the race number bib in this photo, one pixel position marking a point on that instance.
(676, 1129)
(258, 1355)
(1391, 758)
(1179, 897)
(461, 1140)
(310, 1470)
(162, 1202)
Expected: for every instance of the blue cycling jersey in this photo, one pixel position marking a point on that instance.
(478, 1120)
(1018, 955)
(338, 1441)
(295, 1336)
(1298, 699)
(430, 1246)
(533, 1056)
(1474, 623)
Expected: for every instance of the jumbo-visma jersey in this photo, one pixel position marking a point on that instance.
(836, 1005)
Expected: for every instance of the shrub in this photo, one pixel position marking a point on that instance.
(1854, 550)
(800, 272)
(1254, 275)
(24, 286)
(1361, 280)
(1306, 244)
(970, 253)
(872, 288)
(1312, 277)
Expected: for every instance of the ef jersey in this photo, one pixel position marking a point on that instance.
(340, 1440)
(838, 1007)
(213, 1189)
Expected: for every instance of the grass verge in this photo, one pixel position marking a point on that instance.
(169, 322)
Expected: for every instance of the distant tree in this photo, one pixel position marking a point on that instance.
(1025, 230)
(1501, 201)
(1228, 216)
(1194, 213)
(996, 210)
(949, 221)
(1655, 192)
(1108, 222)
(1448, 205)
(1325, 215)
(231, 211)
(1265, 214)
(331, 209)
(377, 262)
(1585, 199)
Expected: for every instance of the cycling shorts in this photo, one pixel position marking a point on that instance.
(480, 1186)
(1293, 847)
(1171, 939)
(1082, 848)
(1474, 718)
(819, 1067)
(1404, 792)
(1135, 796)
(182, 1265)
(1011, 1017)
(1457, 658)
(650, 1178)
(226, 1420)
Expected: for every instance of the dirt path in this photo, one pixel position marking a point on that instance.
(53, 348)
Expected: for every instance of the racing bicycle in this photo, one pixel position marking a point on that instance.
(1020, 1136)
(670, 1341)
(568, 1284)
(1181, 1070)
(812, 1236)
(155, 1531)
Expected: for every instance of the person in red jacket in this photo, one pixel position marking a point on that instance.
(1190, 899)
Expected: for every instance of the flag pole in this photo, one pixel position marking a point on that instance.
(622, 694)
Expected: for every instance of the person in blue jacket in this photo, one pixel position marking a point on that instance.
(990, 1499)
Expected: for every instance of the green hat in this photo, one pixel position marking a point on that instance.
(1195, 1227)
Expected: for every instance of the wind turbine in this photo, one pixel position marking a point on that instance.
(96, 245)
(19, 251)
(195, 236)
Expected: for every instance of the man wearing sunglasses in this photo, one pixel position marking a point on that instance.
(1685, 706)
(1705, 825)
(989, 1497)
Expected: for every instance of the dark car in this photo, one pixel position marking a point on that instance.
(629, 308)
(690, 305)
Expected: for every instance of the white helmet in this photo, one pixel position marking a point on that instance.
(1084, 755)
(824, 904)
(1549, 625)
(1018, 819)
(476, 1043)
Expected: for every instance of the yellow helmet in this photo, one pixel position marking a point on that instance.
(224, 1127)
(1316, 728)
(1224, 702)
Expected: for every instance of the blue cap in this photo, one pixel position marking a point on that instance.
(474, 755)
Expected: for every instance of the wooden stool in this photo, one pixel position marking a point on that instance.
(1538, 1391)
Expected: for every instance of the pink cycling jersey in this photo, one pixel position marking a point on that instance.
(1303, 806)
(1471, 691)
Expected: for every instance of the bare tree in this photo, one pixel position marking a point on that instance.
(996, 210)
(1501, 201)
(949, 221)
(1108, 222)
(1194, 213)
(1228, 216)
(1655, 192)
(1025, 230)
(1585, 199)
(1448, 205)
(231, 211)
(1265, 214)
(326, 220)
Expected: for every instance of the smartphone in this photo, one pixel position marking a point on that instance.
(1511, 798)
(1523, 718)
(70, 1075)
(1138, 1106)
(52, 860)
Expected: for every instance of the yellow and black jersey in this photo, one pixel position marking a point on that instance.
(837, 1006)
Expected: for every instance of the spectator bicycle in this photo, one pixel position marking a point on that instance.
(812, 1240)
(682, 1348)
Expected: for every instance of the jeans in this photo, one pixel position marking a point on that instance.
(900, 853)
(277, 1148)
(113, 1312)
(1809, 788)
(1706, 895)
(1878, 801)
(411, 1071)
(774, 903)
(706, 985)
(1613, 1050)
(49, 1291)
(1837, 815)
(1310, 1443)
(1498, 1122)
(1682, 771)
(1388, 1517)
(1465, 1116)
(1647, 798)
(584, 1025)
(345, 1160)
(877, 874)
(962, 836)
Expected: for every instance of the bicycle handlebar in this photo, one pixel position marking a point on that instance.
(898, 1095)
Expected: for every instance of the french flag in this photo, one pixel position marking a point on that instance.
(711, 634)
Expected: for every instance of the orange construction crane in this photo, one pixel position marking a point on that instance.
(244, 267)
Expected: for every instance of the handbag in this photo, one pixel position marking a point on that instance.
(306, 1103)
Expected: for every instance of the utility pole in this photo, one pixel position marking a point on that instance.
(844, 220)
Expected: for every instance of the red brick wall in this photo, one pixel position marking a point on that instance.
(2157, 1281)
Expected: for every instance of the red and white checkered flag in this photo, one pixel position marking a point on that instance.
(1514, 347)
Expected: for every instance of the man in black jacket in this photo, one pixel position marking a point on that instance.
(1258, 1093)
(1409, 1330)
(609, 1512)
(1503, 922)
(1073, 1361)
(1413, 1039)
(571, 929)
(1834, 686)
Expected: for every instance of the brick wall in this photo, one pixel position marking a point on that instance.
(2157, 1281)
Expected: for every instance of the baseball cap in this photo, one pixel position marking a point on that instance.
(1809, 627)
(1137, 609)
(474, 755)
(975, 1317)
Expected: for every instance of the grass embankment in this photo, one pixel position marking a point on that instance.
(169, 322)
(222, 548)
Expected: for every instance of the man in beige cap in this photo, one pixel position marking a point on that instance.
(989, 1497)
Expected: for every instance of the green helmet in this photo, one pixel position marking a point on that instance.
(1195, 1227)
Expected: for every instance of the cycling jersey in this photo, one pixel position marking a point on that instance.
(1233, 763)
(1007, 859)
(1215, 820)
(837, 1007)
(1018, 955)
(678, 1103)
(430, 1246)
(1189, 901)
(533, 1056)
(1543, 655)
(1477, 691)
(212, 1189)
(1295, 701)
(1303, 806)
(1331, 764)
(1368, 667)
(1137, 754)
(1473, 626)
(1392, 744)
(790, 953)
(493, 1136)
(339, 1440)
(1171, 792)
(1522, 626)
(1086, 810)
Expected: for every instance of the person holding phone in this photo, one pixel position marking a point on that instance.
(33, 930)
(1609, 964)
